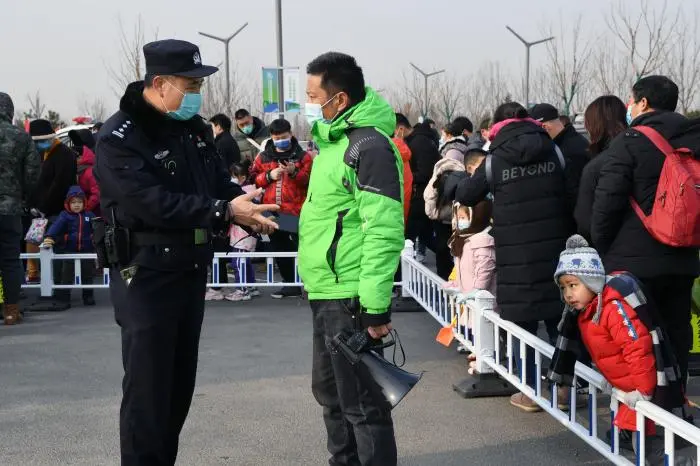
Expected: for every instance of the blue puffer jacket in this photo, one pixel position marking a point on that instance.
(73, 232)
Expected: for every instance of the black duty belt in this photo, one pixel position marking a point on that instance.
(198, 236)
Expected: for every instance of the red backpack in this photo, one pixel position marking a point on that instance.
(675, 214)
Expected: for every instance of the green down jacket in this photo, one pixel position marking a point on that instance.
(351, 230)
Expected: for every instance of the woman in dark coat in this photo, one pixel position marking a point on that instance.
(531, 223)
(604, 120)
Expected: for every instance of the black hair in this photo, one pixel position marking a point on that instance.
(509, 110)
(452, 129)
(240, 168)
(661, 93)
(221, 120)
(463, 124)
(280, 126)
(401, 120)
(472, 156)
(339, 72)
(148, 80)
(241, 113)
(485, 124)
(429, 121)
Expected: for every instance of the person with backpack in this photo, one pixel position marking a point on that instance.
(646, 191)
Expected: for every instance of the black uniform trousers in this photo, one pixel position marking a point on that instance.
(360, 431)
(160, 315)
(282, 241)
(672, 295)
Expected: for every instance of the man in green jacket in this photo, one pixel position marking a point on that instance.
(350, 241)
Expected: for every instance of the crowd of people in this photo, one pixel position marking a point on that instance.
(496, 204)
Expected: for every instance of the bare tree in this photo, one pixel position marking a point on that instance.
(131, 66)
(36, 106)
(94, 108)
(497, 88)
(243, 93)
(414, 92)
(569, 55)
(644, 36)
(684, 62)
(543, 86)
(449, 95)
(610, 73)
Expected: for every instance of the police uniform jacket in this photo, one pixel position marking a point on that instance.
(531, 221)
(162, 176)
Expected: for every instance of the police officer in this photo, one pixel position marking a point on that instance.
(164, 192)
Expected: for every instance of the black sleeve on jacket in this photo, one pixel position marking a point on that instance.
(584, 202)
(62, 168)
(225, 188)
(572, 174)
(472, 190)
(424, 156)
(229, 151)
(611, 198)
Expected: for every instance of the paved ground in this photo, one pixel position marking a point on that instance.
(60, 378)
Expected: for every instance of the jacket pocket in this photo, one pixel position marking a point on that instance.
(332, 252)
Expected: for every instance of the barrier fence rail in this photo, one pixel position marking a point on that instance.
(475, 325)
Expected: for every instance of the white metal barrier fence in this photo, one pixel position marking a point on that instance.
(478, 328)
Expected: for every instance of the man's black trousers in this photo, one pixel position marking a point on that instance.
(160, 315)
(360, 431)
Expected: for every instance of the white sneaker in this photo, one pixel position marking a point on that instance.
(253, 292)
(238, 295)
(213, 295)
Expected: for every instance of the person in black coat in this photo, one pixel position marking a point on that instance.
(226, 146)
(604, 120)
(58, 169)
(531, 221)
(572, 145)
(631, 169)
(423, 143)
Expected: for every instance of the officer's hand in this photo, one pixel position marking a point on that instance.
(379, 331)
(47, 243)
(245, 212)
(275, 174)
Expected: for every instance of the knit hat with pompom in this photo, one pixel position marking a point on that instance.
(583, 262)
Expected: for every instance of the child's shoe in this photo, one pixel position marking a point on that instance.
(238, 295)
(213, 295)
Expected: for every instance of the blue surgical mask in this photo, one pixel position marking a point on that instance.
(283, 144)
(247, 129)
(463, 224)
(629, 115)
(43, 146)
(189, 107)
(314, 112)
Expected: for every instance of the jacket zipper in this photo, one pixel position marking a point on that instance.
(333, 249)
(80, 232)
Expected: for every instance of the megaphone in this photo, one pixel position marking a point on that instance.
(386, 382)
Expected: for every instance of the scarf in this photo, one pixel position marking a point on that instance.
(669, 391)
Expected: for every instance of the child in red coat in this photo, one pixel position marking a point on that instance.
(617, 327)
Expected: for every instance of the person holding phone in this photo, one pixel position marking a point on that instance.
(283, 170)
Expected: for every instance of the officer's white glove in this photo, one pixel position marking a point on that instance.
(462, 298)
(631, 398)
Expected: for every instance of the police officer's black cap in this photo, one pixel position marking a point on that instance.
(175, 58)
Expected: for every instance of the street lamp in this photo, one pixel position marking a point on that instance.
(280, 60)
(527, 61)
(425, 77)
(226, 41)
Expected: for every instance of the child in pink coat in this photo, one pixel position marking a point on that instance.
(473, 249)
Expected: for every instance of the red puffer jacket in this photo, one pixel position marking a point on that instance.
(622, 349)
(87, 182)
(288, 192)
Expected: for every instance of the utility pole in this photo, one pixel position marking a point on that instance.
(226, 41)
(280, 58)
(527, 45)
(425, 77)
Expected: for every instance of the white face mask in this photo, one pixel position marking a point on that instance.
(463, 224)
(314, 112)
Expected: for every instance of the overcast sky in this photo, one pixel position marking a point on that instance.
(61, 47)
